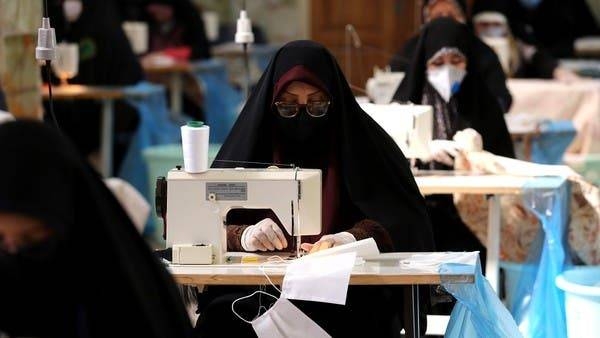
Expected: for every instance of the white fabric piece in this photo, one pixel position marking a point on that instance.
(284, 320)
(330, 273)
(446, 80)
(431, 262)
(134, 204)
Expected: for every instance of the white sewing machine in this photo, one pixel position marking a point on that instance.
(383, 85)
(198, 204)
(411, 126)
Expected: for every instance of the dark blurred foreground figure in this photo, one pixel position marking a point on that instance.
(71, 262)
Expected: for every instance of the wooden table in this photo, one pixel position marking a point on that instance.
(384, 269)
(105, 94)
(492, 185)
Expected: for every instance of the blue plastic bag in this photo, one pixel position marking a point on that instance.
(222, 101)
(478, 311)
(539, 304)
(555, 138)
(155, 128)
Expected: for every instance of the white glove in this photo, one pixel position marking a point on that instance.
(444, 151)
(329, 241)
(263, 236)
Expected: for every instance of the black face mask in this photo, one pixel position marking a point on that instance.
(302, 129)
(32, 260)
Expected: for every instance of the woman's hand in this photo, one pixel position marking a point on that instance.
(329, 241)
(263, 236)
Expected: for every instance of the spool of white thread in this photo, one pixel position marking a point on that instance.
(194, 140)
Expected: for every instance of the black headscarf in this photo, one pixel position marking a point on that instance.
(188, 18)
(542, 64)
(105, 55)
(553, 24)
(487, 61)
(476, 106)
(374, 174)
(95, 277)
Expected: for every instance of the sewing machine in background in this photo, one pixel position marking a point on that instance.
(383, 85)
(197, 206)
(410, 126)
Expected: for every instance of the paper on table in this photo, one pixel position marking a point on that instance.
(330, 273)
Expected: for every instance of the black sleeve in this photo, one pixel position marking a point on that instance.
(400, 61)
(543, 64)
(195, 34)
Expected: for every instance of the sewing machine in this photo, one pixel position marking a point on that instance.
(383, 85)
(409, 125)
(197, 204)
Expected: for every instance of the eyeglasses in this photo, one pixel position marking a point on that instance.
(314, 109)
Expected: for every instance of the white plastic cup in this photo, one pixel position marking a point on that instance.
(137, 34)
(211, 25)
(66, 64)
(194, 141)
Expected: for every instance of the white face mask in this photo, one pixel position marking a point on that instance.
(283, 320)
(494, 32)
(446, 80)
(72, 10)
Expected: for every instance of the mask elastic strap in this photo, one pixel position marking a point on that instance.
(271, 259)
(246, 297)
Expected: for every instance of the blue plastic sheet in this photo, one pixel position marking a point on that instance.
(550, 146)
(539, 304)
(155, 128)
(478, 311)
(222, 101)
(262, 55)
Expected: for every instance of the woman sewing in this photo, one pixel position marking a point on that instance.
(443, 76)
(302, 111)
